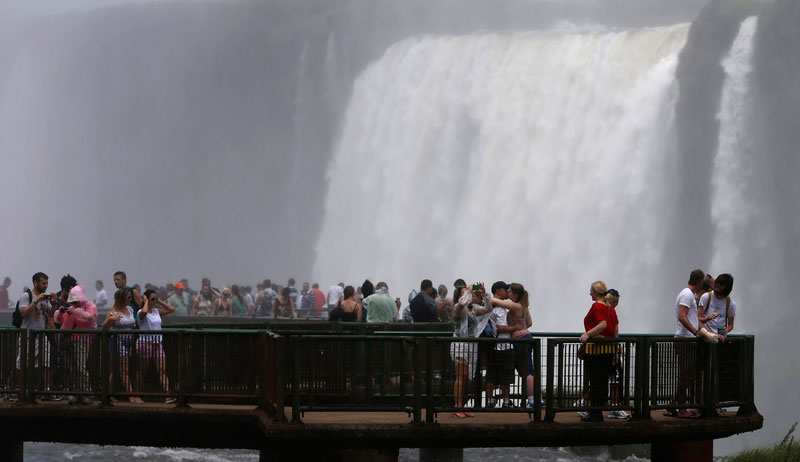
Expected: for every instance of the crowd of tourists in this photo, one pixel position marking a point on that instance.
(703, 309)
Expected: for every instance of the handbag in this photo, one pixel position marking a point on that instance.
(336, 314)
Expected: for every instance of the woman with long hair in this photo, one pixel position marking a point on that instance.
(350, 306)
(283, 306)
(519, 314)
(203, 302)
(120, 317)
(600, 322)
(148, 346)
(240, 307)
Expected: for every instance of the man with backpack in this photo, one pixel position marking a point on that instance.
(264, 300)
(716, 308)
(33, 311)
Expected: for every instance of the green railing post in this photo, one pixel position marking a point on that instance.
(261, 370)
(652, 384)
(295, 358)
(748, 393)
(24, 372)
(537, 382)
(183, 366)
(710, 379)
(641, 401)
(430, 416)
(550, 415)
(278, 363)
(417, 382)
(105, 371)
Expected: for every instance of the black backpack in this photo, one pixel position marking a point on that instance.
(16, 318)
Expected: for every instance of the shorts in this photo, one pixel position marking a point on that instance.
(147, 349)
(467, 352)
(124, 342)
(500, 367)
(520, 360)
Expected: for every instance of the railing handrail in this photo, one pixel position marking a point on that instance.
(275, 373)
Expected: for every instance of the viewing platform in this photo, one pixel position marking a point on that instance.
(361, 392)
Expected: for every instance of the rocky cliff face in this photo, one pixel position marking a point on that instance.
(700, 78)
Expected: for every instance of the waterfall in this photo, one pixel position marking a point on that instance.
(544, 158)
(732, 208)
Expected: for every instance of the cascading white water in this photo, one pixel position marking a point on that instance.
(543, 158)
(732, 210)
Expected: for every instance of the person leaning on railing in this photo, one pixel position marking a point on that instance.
(600, 322)
(121, 317)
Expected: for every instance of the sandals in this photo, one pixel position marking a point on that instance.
(170, 400)
(670, 413)
(136, 400)
(460, 415)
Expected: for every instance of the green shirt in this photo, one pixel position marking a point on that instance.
(182, 304)
(239, 307)
(381, 307)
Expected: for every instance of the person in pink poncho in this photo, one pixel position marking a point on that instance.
(80, 315)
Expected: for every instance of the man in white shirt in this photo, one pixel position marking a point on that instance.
(335, 294)
(717, 309)
(500, 360)
(101, 298)
(686, 353)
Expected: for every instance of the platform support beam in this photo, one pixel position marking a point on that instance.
(330, 454)
(441, 454)
(682, 451)
(11, 451)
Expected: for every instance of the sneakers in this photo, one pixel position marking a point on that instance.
(507, 404)
(51, 398)
(582, 414)
(598, 417)
(8, 398)
(619, 415)
(529, 403)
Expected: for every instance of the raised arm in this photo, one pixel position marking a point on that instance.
(514, 307)
(165, 308)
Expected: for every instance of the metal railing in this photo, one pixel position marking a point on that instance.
(415, 373)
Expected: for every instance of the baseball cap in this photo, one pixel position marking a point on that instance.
(499, 285)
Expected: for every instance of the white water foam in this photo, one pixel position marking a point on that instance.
(540, 158)
(732, 208)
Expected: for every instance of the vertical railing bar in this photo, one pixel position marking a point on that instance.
(549, 413)
(430, 416)
(537, 380)
(105, 371)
